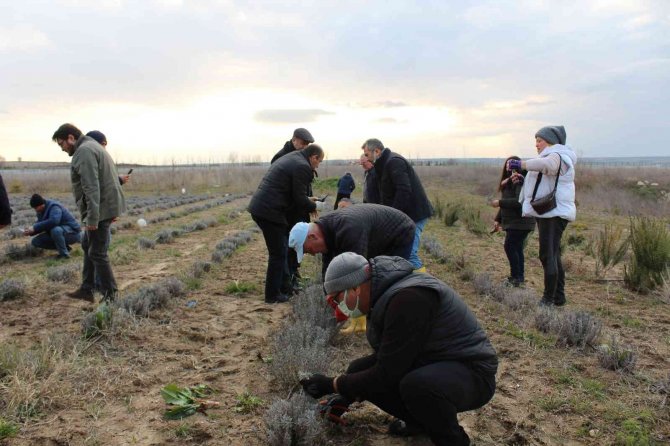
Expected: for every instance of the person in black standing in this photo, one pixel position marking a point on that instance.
(345, 186)
(370, 187)
(301, 139)
(5, 209)
(400, 188)
(285, 186)
(510, 220)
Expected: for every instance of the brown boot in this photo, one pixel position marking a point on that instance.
(81, 293)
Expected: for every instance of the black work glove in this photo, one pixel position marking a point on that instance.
(333, 408)
(317, 385)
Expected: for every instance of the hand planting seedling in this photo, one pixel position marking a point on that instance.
(186, 400)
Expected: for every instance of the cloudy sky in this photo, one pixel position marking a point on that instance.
(215, 80)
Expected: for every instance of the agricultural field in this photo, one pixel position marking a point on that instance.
(191, 315)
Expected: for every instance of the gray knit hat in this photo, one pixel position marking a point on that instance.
(347, 270)
(554, 134)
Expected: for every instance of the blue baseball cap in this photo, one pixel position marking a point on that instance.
(98, 136)
(297, 237)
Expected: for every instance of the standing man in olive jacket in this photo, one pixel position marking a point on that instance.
(96, 189)
(285, 186)
(5, 210)
(400, 188)
(431, 359)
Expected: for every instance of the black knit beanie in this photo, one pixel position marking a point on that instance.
(36, 200)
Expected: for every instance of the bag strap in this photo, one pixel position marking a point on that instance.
(539, 177)
(537, 184)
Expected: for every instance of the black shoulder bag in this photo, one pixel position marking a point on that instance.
(548, 202)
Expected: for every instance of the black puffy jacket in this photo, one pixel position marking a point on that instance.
(455, 333)
(509, 214)
(288, 148)
(284, 187)
(370, 230)
(400, 187)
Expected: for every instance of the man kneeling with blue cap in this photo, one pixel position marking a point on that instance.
(431, 357)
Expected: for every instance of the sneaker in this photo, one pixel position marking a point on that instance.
(280, 299)
(82, 294)
(401, 429)
(61, 257)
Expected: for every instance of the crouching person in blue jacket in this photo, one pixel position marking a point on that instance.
(56, 228)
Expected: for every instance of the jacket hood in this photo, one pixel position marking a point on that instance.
(563, 150)
(384, 272)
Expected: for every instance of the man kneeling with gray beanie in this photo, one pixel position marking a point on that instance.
(431, 357)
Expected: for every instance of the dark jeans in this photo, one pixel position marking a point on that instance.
(339, 197)
(96, 261)
(550, 231)
(430, 396)
(58, 238)
(514, 244)
(276, 240)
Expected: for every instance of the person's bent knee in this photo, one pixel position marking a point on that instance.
(56, 231)
(414, 387)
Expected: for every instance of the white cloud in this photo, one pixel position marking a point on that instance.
(639, 21)
(22, 37)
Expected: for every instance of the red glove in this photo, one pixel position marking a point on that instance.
(334, 408)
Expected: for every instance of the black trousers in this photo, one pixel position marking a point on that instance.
(339, 197)
(550, 231)
(430, 396)
(276, 240)
(514, 244)
(96, 261)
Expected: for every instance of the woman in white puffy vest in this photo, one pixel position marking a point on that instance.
(555, 159)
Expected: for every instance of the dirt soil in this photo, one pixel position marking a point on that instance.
(546, 395)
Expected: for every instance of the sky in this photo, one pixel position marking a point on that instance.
(228, 80)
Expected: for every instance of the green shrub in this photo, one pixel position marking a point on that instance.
(247, 403)
(7, 429)
(650, 244)
(97, 322)
(11, 289)
(609, 247)
(473, 221)
(575, 239)
(633, 433)
(452, 213)
(237, 287)
(615, 356)
(438, 206)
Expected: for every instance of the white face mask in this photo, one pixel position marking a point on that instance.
(345, 309)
